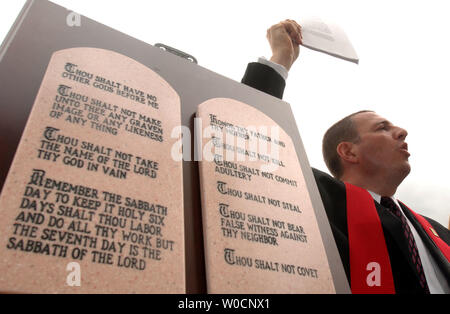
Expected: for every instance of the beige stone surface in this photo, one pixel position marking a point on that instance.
(260, 230)
(100, 128)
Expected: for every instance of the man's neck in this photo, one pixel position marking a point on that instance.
(380, 186)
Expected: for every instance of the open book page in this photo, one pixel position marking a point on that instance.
(327, 37)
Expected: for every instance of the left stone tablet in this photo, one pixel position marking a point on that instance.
(93, 201)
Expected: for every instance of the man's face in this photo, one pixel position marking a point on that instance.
(382, 148)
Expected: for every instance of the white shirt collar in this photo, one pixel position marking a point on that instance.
(377, 198)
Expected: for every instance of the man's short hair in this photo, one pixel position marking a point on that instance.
(342, 131)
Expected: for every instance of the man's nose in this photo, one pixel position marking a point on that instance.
(400, 133)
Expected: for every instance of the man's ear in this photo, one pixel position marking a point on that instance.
(347, 152)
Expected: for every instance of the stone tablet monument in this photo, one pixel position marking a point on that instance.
(93, 183)
(261, 232)
(99, 196)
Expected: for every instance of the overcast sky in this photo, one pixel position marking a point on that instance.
(403, 73)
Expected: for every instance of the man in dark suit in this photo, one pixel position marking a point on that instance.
(368, 157)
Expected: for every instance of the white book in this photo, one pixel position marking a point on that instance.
(328, 38)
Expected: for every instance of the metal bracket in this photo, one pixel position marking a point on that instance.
(177, 52)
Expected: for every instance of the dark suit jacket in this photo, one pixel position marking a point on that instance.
(333, 195)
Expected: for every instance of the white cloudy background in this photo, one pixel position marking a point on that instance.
(403, 75)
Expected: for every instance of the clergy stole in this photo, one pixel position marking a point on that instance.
(370, 267)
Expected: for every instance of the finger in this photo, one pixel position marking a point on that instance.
(299, 30)
(299, 27)
(293, 31)
(293, 26)
(276, 31)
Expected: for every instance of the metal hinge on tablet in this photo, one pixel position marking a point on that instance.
(177, 52)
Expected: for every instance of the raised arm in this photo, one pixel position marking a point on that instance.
(284, 39)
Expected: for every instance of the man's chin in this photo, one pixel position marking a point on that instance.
(406, 169)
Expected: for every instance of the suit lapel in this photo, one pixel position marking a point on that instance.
(393, 226)
(440, 259)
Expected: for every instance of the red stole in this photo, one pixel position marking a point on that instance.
(367, 244)
(445, 249)
(368, 252)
